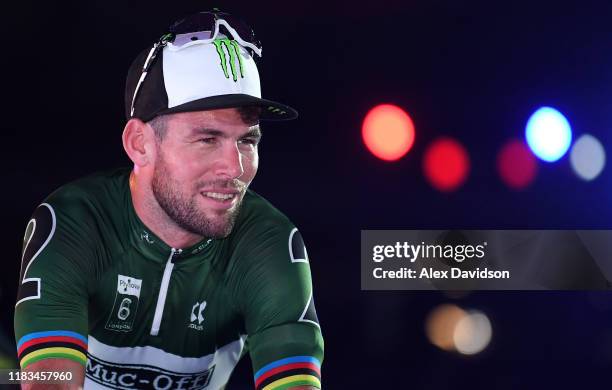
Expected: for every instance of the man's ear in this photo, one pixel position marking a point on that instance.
(138, 142)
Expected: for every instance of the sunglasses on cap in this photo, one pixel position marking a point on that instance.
(203, 27)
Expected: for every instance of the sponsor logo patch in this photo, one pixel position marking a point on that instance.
(197, 316)
(135, 376)
(229, 52)
(127, 297)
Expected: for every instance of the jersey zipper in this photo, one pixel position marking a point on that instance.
(163, 292)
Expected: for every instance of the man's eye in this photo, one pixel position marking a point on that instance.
(208, 140)
(249, 141)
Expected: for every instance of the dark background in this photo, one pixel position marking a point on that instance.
(472, 70)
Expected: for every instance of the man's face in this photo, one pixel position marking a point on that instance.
(204, 165)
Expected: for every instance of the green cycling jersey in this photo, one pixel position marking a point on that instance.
(98, 287)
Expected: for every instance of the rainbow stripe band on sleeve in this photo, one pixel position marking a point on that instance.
(52, 344)
(289, 372)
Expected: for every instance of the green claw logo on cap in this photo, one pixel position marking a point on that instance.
(233, 49)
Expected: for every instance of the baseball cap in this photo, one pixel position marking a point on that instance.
(189, 73)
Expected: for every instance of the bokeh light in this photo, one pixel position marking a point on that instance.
(446, 164)
(388, 132)
(587, 157)
(472, 333)
(516, 165)
(440, 325)
(548, 134)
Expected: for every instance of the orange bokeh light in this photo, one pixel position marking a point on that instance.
(388, 132)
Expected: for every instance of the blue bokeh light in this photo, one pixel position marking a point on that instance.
(549, 134)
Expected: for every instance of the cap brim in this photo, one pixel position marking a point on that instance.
(272, 111)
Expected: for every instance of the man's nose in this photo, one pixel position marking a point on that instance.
(230, 162)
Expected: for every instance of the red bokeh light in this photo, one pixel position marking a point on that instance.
(516, 165)
(446, 164)
(388, 132)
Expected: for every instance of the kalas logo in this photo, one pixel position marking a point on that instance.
(196, 315)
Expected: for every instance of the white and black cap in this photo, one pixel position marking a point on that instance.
(195, 76)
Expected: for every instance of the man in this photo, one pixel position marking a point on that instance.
(164, 275)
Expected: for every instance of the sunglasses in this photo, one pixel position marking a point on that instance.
(205, 26)
(199, 28)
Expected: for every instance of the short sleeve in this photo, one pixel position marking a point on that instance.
(51, 318)
(284, 335)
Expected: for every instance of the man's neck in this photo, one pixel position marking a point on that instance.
(156, 220)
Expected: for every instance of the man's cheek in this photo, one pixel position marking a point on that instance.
(251, 164)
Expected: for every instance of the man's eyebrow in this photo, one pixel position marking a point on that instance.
(255, 131)
(207, 131)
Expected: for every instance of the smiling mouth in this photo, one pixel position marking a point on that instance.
(219, 195)
(220, 200)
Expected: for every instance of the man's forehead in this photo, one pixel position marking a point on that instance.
(216, 115)
(224, 120)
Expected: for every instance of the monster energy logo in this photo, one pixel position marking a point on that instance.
(233, 49)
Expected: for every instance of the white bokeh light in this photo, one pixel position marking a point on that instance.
(548, 134)
(588, 157)
(472, 333)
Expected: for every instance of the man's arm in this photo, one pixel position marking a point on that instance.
(57, 365)
(51, 323)
(284, 336)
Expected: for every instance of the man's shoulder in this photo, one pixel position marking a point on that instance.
(264, 234)
(85, 205)
(257, 212)
(90, 192)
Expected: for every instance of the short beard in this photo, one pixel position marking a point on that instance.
(183, 210)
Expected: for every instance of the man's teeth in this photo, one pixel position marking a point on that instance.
(216, 195)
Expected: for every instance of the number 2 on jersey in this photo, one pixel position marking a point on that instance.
(38, 234)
